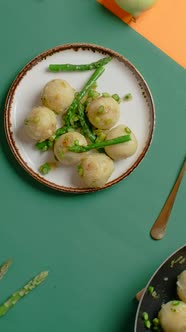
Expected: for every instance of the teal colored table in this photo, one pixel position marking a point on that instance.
(97, 247)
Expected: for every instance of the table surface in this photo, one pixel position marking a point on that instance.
(97, 246)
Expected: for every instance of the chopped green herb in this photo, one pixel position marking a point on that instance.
(50, 144)
(128, 97)
(80, 170)
(45, 168)
(97, 119)
(155, 295)
(127, 130)
(91, 93)
(116, 97)
(61, 154)
(175, 302)
(94, 85)
(101, 109)
(96, 94)
(156, 321)
(106, 94)
(145, 316)
(70, 130)
(108, 121)
(101, 137)
(52, 138)
(26, 122)
(76, 142)
(150, 289)
(147, 324)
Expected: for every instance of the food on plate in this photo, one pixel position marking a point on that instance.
(87, 117)
(62, 144)
(172, 316)
(95, 169)
(128, 97)
(40, 123)
(79, 148)
(181, 286)
(122, 150)
(103, 112)
(57, 95)
(79, 67)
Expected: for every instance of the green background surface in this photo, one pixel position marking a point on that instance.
(97, 247)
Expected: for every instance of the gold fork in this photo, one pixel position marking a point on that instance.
(159, 228)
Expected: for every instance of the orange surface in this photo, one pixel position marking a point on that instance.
(164, 25)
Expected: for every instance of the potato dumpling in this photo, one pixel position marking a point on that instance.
(61, 145)
(103, 112)
(181, 286)
(172, 316)
(40, 123)
(57, 95)
(95, 169)
(121, 150)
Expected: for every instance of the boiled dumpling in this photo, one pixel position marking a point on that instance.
(121, 150)
(172, 316)
(40, 123)
(61, 145)
(58, 95)
(103, 112)
(95, 169)
(181, 286)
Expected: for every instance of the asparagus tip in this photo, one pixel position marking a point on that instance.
(4, 267)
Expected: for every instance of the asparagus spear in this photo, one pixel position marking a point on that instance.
(84, 124)
(97, 73)
(4, 268)
(81, 67)
(98, 145)
(14, 298)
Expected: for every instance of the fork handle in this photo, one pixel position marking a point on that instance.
(158, 229)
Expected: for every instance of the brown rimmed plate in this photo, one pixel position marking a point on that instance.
(119, 77)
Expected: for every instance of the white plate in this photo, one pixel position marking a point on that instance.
(120, 77)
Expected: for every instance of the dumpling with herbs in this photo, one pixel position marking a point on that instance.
(95, 169)
(58, 95)
(181, 286)
(103, 112)
(121, 150)
(40, 123)
(62, 144)
(172, 316)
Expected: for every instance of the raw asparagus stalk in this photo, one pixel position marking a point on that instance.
(4, 268)
(99, 145)
(81, 67)
(97, 73)
(84, 124)
(14, 298)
